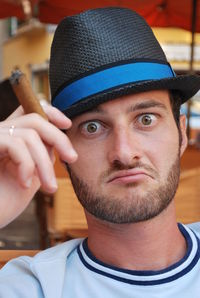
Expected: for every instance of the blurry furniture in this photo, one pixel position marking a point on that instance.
(8, 100)
(7, 255)
(197, 144)
(188, 196)
(65, 217)
(190, 158)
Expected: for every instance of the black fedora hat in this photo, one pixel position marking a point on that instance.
(105, 53)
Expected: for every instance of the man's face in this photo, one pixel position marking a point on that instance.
(128, 157)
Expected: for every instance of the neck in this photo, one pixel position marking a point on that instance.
(151, 245)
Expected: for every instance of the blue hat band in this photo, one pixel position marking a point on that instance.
(109, 78)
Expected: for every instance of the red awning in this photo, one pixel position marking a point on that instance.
(161, 13)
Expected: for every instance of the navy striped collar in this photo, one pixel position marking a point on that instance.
(175, 271)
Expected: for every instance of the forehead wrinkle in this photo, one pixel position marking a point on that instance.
(97, 110)
(145, 105)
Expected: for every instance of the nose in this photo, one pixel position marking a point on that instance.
(124, 147)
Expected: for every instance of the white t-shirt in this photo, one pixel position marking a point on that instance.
(87, 277)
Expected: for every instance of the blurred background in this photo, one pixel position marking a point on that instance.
(26, 32)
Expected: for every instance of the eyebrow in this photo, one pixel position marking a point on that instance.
(146, 105)
(133, 108)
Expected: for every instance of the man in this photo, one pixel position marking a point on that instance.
(110, 76)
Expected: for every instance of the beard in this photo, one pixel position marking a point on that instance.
(132, 207)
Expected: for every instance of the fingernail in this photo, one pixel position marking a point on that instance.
(28, 182)
(54, 184)
(73, 154)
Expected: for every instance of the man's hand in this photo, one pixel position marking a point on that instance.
(26, 157)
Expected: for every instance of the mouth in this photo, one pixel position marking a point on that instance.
(128, 176)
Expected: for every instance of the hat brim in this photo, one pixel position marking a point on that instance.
(186, 85)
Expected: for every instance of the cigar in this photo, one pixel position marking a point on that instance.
(24, 92)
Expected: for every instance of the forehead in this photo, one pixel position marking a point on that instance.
(133, 102)
(153, 98)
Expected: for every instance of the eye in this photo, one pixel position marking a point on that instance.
(147, 119)
(91, 127)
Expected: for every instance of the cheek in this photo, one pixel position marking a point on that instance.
(91, 160)
(164, 149)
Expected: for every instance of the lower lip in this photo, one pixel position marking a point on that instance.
(129, 179)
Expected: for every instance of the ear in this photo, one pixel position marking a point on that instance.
(184, 139)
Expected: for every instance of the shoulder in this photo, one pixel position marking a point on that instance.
(35, 274)
(57, 252)
(60, 251)
(195, 227)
